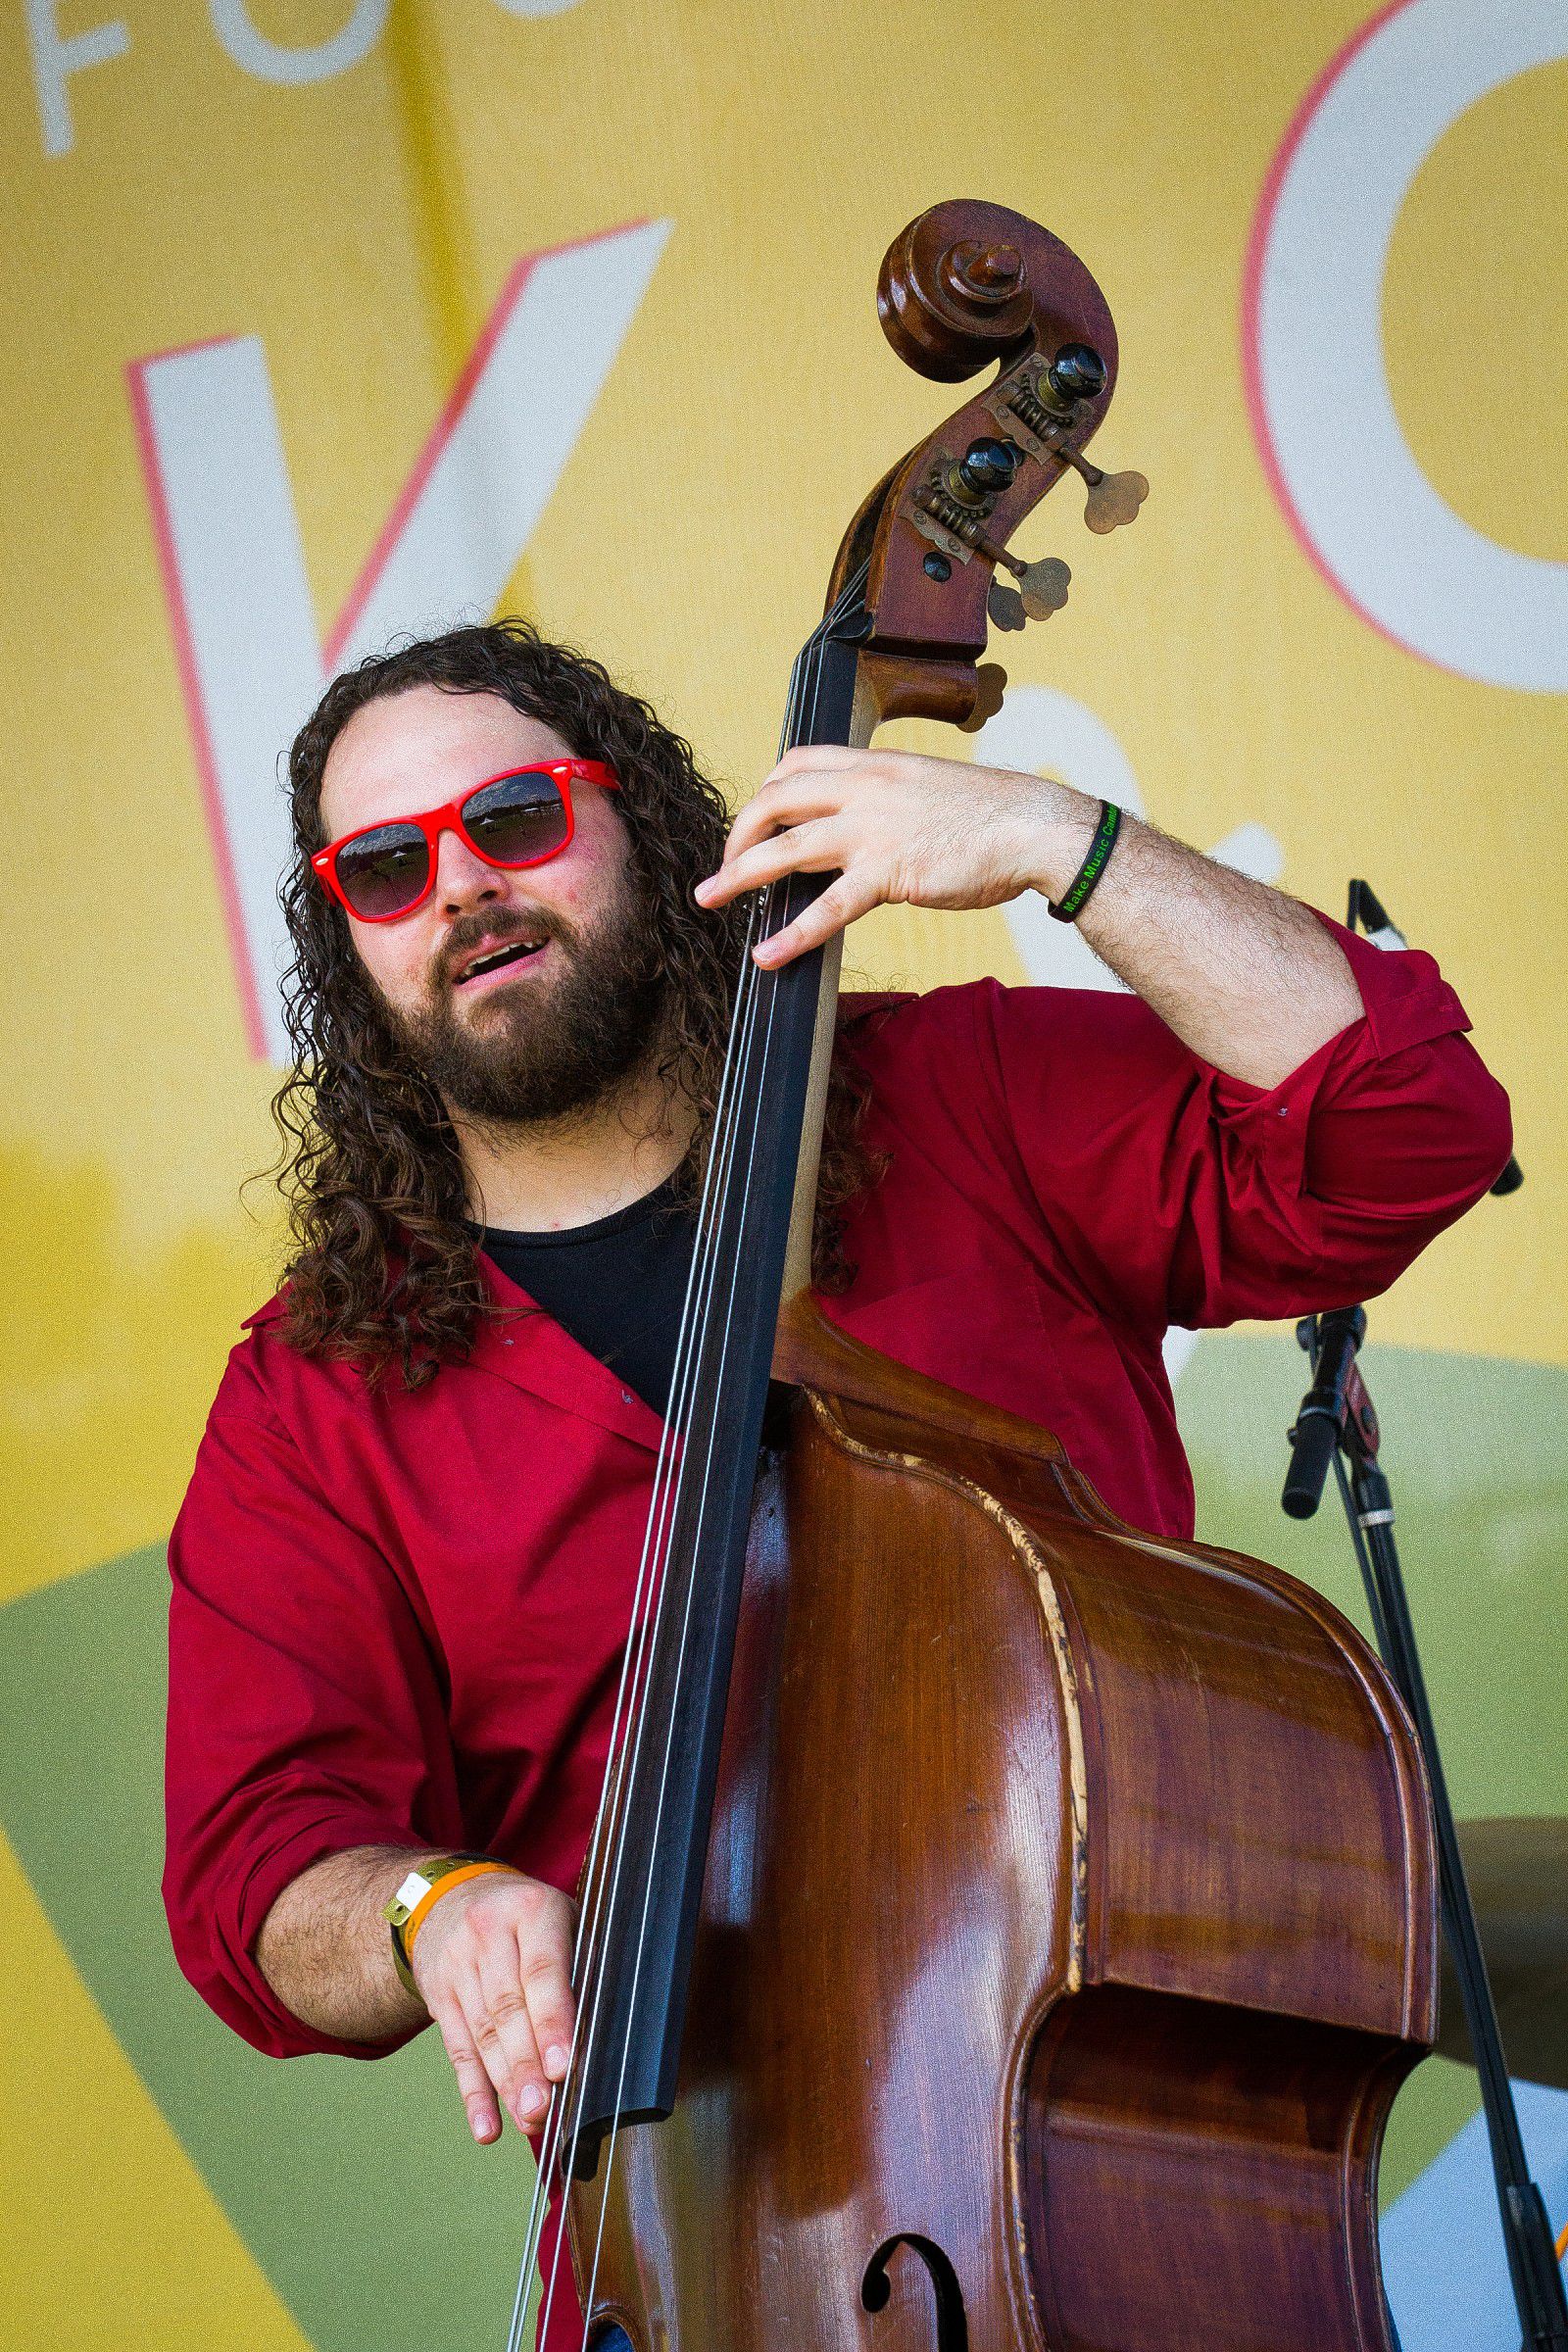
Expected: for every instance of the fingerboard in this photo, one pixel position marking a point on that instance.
(758, 1224)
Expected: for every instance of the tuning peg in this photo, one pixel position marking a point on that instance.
(1041, 591)
(986, 469)
(1077, 373)
(1113, 498)
(1045, 402)
(1004, 606)
(991, 683)
(1042, 587)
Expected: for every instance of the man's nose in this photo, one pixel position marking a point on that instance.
(461, 878)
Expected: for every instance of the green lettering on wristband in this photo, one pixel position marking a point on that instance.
(1075, 898)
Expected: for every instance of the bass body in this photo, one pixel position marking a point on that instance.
(1068, 1926)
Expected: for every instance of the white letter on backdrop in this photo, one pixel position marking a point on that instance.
(1313, 345)
(270, 61)
(251, 660)
(54, 58)
(1041, 731)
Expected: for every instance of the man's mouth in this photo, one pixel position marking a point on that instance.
(496, 960)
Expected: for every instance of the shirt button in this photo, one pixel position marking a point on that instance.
(625, 1395)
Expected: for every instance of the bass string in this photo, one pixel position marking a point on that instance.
(722, 1158)
(633, 1753)
(742, 1093)
(595, 1873)
(596, 1877)
(589, 1981)
(736, 1087)
(733, 1094)
(846, 603)
(720, 1154)
(599, 1911)
(728, 1157)
(640, 1948)
(771, 899)
(608, 1886)
(586, 1979)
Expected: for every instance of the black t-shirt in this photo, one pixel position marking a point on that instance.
(616, 1286)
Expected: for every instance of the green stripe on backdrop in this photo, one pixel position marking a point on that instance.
(1477, 1452)
(349, 2181)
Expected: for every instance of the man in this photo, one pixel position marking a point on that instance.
(401, 1576)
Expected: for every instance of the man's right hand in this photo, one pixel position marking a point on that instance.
(493, 1963)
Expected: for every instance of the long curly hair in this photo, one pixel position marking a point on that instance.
(382, 1268)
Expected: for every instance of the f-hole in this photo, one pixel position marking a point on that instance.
(876, 2288)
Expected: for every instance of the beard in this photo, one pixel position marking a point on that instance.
(540, 1050)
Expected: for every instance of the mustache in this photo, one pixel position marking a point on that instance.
(498, 928)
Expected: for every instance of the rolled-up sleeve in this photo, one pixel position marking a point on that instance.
(1184, 1196)
(305, 1712)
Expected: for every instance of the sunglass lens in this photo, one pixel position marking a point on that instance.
(384, 871)
(517, 819)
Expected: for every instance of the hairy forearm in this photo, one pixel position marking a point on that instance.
(493, 1961)
(326, 1951)
(1245, 976)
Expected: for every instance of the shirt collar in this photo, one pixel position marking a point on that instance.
(525, 1345)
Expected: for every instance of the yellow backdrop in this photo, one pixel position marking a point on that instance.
(287, 285)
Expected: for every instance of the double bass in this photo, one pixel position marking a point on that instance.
(1002, 1927)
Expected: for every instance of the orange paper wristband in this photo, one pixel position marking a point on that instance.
(443, 1886)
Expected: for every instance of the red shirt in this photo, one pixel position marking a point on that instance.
(397, 1617)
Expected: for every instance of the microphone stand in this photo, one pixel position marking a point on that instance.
(1338, 1423)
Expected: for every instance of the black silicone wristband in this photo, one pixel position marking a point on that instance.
(1076, 896)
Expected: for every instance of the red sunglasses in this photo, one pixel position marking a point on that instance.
(519, 818)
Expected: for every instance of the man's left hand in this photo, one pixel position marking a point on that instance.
(899, 828)
(1247, 977)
